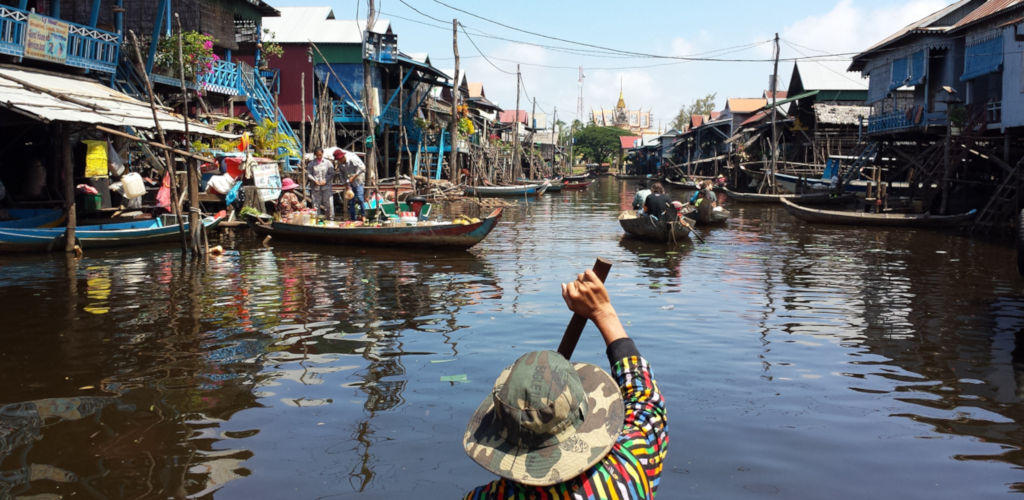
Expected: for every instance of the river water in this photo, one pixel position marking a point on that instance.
(797, 361)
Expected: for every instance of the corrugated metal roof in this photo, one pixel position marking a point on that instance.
(836, 114)
(989, 8)
(923, 25)
(827, 75)
(744, 104)
(317, 24)
(113, 107)
(628, 141)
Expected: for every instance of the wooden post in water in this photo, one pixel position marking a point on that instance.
(770, 177)
(533, 125)
(302, 147)
(169, 162)
(69, 185)
(369, 103)
(453, 127)
(516, 168)
(193, 182)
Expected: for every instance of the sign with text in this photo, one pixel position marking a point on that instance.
(267, 178)
(46, 39)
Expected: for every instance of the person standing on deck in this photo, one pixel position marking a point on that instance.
(555, 429)
(354, 170)
(320, 172)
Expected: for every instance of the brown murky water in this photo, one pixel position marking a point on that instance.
(796, 360)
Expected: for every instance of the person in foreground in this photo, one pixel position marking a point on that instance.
(555, 429)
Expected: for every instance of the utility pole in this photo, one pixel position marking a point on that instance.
(770, 177)
(554, 142)
(516, 168)
(369, 103)
(453, 127)
(533, 134)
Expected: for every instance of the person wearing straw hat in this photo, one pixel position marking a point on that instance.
(288, 203)
(552, 428)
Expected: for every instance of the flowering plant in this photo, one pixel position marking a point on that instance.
(197, 52)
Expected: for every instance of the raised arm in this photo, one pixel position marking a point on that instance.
(588, 297)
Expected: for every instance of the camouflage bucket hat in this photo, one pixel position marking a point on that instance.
(546, 421)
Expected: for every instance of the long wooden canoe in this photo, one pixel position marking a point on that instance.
(800, 199)
(33, 217)
(419, 234)
(871, 219)
(507, 191)
(577, 185)
(94, 236)
(649, 228)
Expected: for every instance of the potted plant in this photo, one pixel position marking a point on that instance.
(196, 53)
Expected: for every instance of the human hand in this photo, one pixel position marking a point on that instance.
(587, 296)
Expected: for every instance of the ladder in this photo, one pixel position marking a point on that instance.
(127, 79)
(261, 104)
(865, 157)
(1002, 205)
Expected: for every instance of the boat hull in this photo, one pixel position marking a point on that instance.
(420, 235)
(814, 215)
(33, 217)
(96, 236)
(506, 191)
(806, 198)
(647, 228)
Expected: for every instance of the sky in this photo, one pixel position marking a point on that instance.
(632, 44)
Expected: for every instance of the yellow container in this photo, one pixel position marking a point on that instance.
(95, 158)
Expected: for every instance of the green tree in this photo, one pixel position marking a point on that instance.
(597, 144)
(702, 106)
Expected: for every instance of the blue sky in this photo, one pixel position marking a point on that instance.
(729, 29)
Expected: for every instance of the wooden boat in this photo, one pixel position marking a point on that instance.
(630, 176)
(161, 229)
(421, 234)
(873, 219)
(32, 217)
(518, 190)
(576, 178)
(717, 215)
(682, 184)
(800, 199)
(649, 228)
(577, 185)
(554, 185)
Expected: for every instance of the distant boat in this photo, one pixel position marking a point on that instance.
(507, 191)
(649, 228)
(577, 185)
(119, 234)
(804, 199)
(683, 184)
(576, 178)
(874, 219)
(32, 217)
(554, 185)
(421, 234)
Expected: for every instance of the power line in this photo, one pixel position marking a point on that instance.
(482, 52)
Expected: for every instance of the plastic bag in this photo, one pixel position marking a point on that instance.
(115, 165)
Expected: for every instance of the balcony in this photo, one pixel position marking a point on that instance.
(344, 112)
(33, 36)
(904, 121)
(223, 78)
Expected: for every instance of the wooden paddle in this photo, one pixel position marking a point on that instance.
(578, 321)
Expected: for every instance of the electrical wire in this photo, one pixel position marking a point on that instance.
(482, 52)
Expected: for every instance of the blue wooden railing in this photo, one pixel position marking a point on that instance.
(898, 121)
(87, 47)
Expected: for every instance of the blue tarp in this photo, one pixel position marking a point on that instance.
(983, 58)
(899, 73)
(917, 68)
(351, 75)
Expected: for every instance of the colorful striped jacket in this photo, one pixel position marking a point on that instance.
(633, 466)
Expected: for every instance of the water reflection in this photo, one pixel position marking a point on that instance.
(182, 351)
